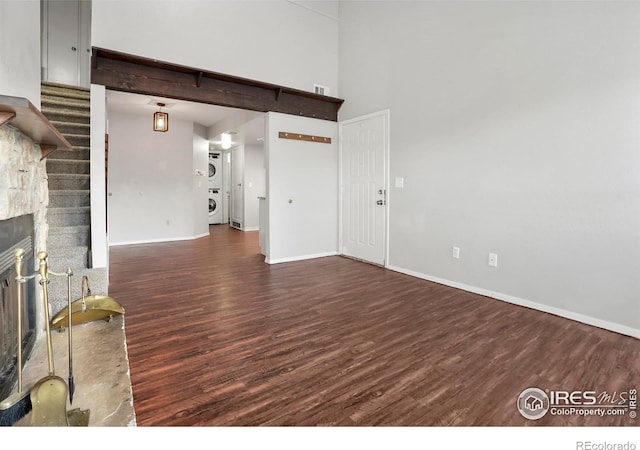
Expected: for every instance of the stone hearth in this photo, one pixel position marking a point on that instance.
(100, 371)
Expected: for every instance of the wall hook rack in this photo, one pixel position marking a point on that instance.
(304, 137)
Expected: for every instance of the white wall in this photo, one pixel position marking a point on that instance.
(99, 242)
(302, 189)
(200, 196)
(274, 41)
(20, 49)
(515, 127)
(151, 178)
(254, 184)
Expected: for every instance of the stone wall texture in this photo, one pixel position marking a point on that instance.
(23, 181)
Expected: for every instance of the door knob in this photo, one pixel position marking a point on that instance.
(73, 48)
(380, 202)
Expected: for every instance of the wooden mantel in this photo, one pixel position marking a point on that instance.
(21, 113)
(130, 73)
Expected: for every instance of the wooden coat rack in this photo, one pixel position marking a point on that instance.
(304, 137)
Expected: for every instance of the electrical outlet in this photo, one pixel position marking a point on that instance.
(456, 252)
(493, 259)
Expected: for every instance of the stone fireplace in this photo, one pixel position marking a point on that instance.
(26, 138)
(23, 203)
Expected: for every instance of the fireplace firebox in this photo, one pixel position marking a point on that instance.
(17, 232)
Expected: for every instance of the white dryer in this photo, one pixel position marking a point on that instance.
(215, 170)
(215, 206)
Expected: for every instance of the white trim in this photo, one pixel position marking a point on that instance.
(588, 320)
(300, 258)
(251, 229)
(155, 241)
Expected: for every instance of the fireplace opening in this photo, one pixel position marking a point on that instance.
(17, 232)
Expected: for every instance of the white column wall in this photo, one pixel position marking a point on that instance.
(302, 189)
(200, 181)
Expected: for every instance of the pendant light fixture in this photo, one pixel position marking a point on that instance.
(160, 120)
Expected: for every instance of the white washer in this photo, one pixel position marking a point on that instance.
(215, 170)
(215, 206)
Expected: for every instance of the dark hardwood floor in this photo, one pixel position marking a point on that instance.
(216, 337)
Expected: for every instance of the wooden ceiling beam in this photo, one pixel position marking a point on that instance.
(129, 73)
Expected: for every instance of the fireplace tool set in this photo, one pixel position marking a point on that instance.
(47, 398)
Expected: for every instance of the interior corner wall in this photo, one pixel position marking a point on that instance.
(515, 128)
(274, 41)
(151, 180)
(254, 184)
(200, 173)
(302, 189)
(20, 49)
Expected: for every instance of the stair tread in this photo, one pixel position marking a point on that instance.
(79, 175)
(58, 209)
(60, 100)
(59, 123)
(65, 86)
(72, 192)
(65, 250)
(72, 135)
(57, 92)
(71, 161)
(72, 113)
(76, 248)
(67, 229)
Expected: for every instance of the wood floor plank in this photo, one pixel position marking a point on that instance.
(216, 337)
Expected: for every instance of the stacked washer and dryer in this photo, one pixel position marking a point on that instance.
(215, 188)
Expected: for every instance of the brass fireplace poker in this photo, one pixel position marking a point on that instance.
(68, 274)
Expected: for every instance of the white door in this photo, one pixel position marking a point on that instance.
(364, 149)
(66, 42)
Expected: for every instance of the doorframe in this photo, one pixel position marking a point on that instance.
(226, 186)
(386, 113)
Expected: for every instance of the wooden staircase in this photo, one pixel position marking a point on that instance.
(68, 108)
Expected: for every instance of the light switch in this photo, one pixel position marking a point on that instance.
(400, 182)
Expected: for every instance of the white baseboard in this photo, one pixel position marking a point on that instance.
(611, 326)
(155, 241)
(251, 229)
(300, 258)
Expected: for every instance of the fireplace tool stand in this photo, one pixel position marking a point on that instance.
(46, 400)
(76, 417)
